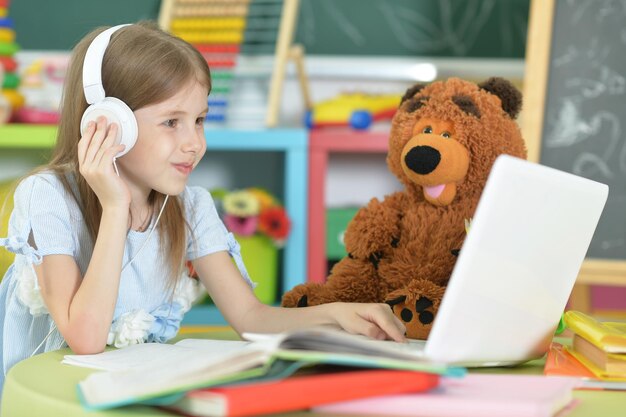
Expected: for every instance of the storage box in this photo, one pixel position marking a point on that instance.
(337, 220)
(261, 259)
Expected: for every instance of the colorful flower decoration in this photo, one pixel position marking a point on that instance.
(243, 226)
(274, 222)
(265, 199)
(241, 204)
(254, 211)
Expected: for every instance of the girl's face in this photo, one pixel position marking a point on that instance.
(170, 143)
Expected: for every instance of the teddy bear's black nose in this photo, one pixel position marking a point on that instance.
(422, 159)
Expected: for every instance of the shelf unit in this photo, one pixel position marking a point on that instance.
(19, 136)
(293, 142)
(321, 144)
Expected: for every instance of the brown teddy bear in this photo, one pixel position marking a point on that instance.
(444, 139)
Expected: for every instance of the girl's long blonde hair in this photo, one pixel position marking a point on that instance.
(142, 65)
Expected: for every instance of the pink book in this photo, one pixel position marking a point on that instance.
(479, 395)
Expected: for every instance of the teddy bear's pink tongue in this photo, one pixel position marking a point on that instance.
(434, 191)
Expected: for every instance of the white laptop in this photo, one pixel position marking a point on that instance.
(517, 266)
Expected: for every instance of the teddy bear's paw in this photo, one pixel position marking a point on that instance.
(417, 312)
(303, 301)
(302, 296)
(294, 298)
(417, 315)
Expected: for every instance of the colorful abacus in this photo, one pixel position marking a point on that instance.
(8, 48)
(222, 30)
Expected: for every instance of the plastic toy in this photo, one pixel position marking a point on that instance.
(357, 110)
(42, 86)
(5, 106)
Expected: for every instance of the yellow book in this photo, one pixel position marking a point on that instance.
(596, 370)
(608, 336)
(611, 363)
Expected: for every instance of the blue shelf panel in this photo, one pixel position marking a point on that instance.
(294, 143)
(203, 315)
(257, 140)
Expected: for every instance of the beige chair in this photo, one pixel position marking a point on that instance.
(6, 206)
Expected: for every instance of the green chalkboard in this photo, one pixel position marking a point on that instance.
(60, 24)
(584, 115)
(440, 28)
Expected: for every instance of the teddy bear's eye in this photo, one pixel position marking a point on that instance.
(446, 135)
(427, 129)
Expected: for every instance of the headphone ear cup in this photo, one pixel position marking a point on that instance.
(115, 111)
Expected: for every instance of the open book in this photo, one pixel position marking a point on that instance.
(163, 377)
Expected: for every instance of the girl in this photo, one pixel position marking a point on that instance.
(88, 272)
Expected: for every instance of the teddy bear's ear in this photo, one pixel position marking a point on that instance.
(411, 92)
(510, 96)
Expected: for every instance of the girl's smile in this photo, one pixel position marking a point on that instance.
(185, 169)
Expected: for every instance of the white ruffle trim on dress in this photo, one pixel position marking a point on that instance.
(161, 324)
(28, 291)
(26, 257)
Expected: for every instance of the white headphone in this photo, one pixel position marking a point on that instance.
(114, 109)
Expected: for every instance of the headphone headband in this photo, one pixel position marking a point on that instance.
(92, 66)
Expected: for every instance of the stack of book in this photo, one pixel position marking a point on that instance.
(337, 373)
(238, 378)
(599, 346)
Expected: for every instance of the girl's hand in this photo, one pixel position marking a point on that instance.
(374, 320)
(96, 150)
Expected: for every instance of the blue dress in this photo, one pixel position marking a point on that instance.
(46, 220)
